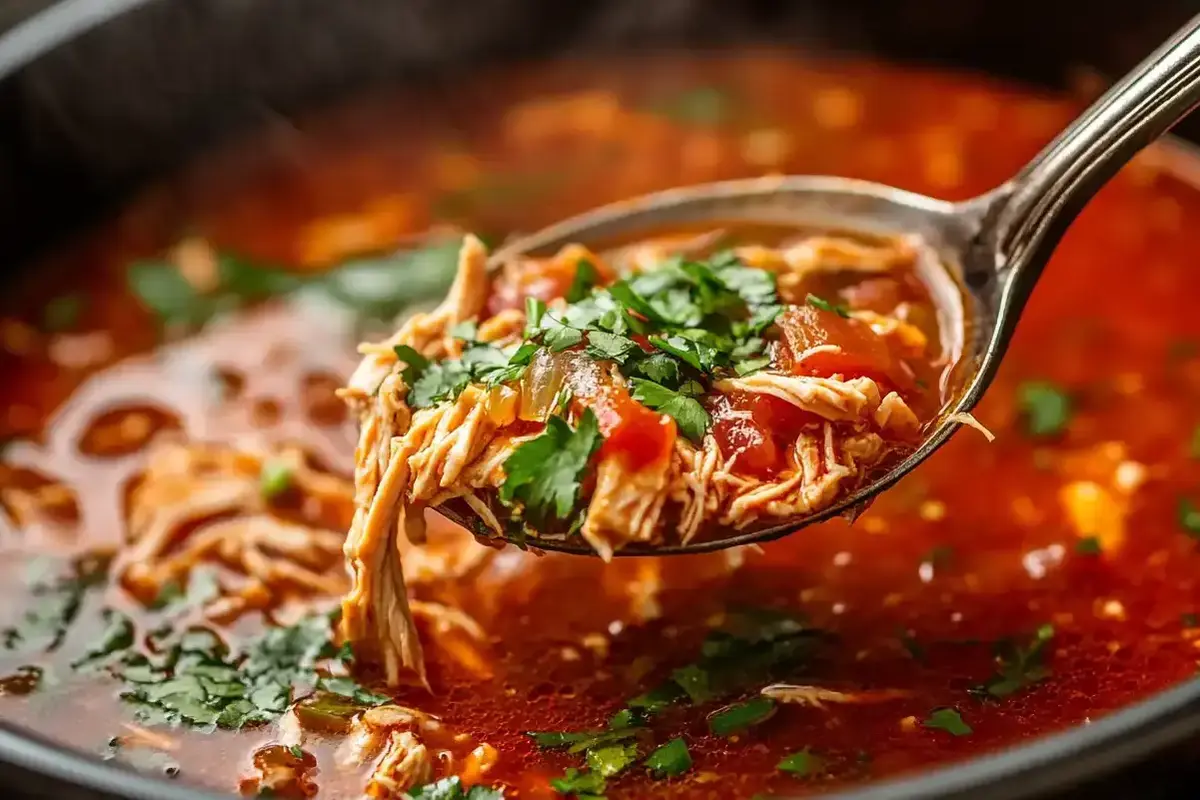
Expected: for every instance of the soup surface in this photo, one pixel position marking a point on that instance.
(176, 480)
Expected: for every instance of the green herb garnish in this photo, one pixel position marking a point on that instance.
(275, 478)
(687, 412)
(948, 720)
(451, 789)
(801, 764)
(543, 475)
(740, 716)
(825, 305)
(1088, 546)
(1045, 407)
(670, 759)
(585, 278)
(580, 784)
(1188, 515)
(1018, 666)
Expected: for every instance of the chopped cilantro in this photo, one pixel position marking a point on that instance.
(585, 278)
(659, 368)
(751, 365)
(1018, 667)
(1088, 546)
(610, 759)
(162, 289)
(381, 287)
(687, 412)
(543, 474)
(535, 309)
(465, 331)
(196, 679)
(451, 788)
(348, 687)
(948, 720)
(440, 382)
(740, 716)
(580, 784)
(116, 637)
(825, 305)
(1189, 620)
(802, 764)
(1045, 407)
(62, 313)
(670, 759)
(274, 478)
(415, 363)
(56, 604)
(610, 346)
(296, 750)
(1189, 517)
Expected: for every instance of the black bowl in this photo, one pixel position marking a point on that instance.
(98, 97)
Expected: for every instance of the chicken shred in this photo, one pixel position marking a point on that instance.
(408, 459)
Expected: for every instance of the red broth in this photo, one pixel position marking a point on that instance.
(1077, 517)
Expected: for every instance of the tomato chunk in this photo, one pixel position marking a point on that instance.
(632, 432)
(758, 429)
(861, 352)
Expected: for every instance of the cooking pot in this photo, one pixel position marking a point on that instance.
(97, 97)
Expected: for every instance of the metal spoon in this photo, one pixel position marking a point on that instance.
(991, 248)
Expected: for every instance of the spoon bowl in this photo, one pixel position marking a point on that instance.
(979, 258)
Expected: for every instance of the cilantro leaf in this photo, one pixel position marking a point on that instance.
(1189, 517)
(659, 368)
(739, 716)
(751, 365)
(465, 331)
(441, 382)
(416, 363)
(580, 784)
(1018, 667)
(825, 305)
(557, 336)
(350, 688)
(687, 412)
(274, 478)
(801, 764)
(672, 759)
(1045, 407)
(535, 309)
(610, 346)
(948, 720)
(1089, 546)
(610, 759)
(586, 277)
(451, 788)
(543, 474)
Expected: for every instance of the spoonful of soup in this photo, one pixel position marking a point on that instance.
(721, 364)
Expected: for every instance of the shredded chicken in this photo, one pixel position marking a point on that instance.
(818, 696)
(197, 503)
(409, 459)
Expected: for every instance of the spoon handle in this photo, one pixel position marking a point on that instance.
(1049, 192)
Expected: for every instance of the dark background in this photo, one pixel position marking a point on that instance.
(83, 124)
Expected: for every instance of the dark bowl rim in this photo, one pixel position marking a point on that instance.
(1055, 761)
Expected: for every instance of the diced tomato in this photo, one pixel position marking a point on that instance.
(861, 352)
(757, 428)
(636, 434)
